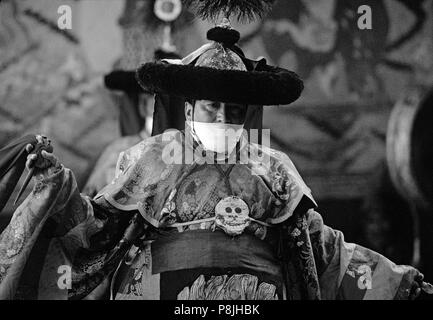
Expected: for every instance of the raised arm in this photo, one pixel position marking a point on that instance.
(54, 229)
(334, 269)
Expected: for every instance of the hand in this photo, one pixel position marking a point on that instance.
(418, 286)
(415, 290)
(43, 161)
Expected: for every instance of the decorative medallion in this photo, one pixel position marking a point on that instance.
(231, 215)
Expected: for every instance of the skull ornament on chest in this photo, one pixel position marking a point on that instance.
(231, 215)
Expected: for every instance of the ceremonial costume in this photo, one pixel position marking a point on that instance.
(190, 249)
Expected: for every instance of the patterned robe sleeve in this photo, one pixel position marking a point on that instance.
(56, 241)
(333, 269)
(318, 262)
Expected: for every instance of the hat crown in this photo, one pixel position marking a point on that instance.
(222, 58)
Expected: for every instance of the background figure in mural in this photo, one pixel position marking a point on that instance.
(138, 112)
(147, 28)
(105, 166)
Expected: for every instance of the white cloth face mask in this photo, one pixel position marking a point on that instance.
(217, 137)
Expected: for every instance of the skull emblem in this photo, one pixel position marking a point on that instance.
(231, 215)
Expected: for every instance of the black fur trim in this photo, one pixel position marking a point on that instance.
(269, 86)
(228, 37)
(122, 80)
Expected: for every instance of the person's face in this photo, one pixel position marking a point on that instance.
(212, 111)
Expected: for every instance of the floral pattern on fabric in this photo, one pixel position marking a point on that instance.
(139, 262)
(224, 287)
(283, 184)
(143, 177)
(24, 224)
(198, 194)
(299, 241)
(168, 212)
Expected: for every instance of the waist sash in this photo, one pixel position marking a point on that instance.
(213, 249)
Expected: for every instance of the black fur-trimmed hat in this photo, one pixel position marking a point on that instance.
(258, 84)
(219, 71)
(125, 80)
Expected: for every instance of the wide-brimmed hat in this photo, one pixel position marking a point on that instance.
(125, 80)
(219, 71)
